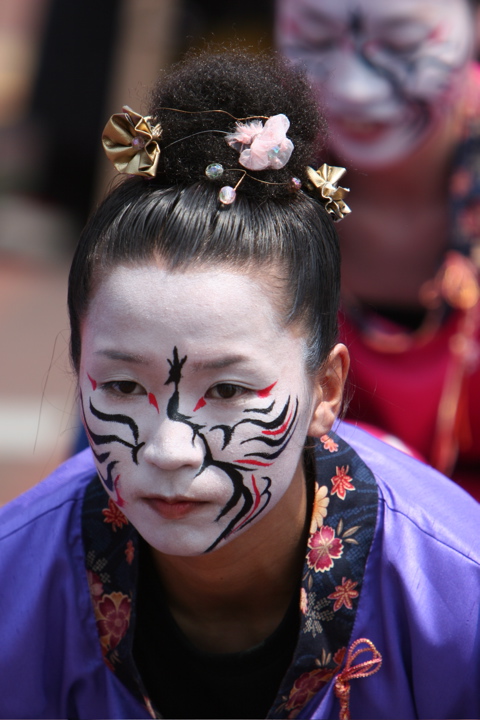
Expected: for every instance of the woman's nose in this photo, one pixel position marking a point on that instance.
(174, 444)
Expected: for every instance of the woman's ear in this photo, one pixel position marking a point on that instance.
(329, 386)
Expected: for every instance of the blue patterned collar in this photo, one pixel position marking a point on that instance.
(344, 514)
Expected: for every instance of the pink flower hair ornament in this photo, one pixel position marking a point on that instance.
(132, 143)
(262, 147)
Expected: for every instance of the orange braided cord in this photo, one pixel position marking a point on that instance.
(352, 672)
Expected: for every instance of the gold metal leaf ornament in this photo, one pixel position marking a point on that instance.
(324, 182)
(130, 143)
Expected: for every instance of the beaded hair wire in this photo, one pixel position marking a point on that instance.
(132, 143)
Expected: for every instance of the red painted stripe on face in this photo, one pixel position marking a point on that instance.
(280, 430)
(437, 33)
(153, 401)
(257, 494)
(94, 382)
(201, 403)
(120, 501)
(266, 391)
(254, 462)
(255, 504)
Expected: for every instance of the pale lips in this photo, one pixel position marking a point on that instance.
(174, 508)
(361, 130)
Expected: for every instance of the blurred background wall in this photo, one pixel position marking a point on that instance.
(65, 67)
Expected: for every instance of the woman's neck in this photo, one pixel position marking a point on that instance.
(234, 597)
(397, 234)
(416, 180)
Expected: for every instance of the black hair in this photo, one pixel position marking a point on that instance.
(177, 215)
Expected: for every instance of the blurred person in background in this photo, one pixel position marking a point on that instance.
(401, 90)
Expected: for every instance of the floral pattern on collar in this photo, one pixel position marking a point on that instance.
(342, 528)
(111, 546)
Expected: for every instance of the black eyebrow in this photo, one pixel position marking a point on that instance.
(217, 364)
(401, 20)
(123, 356)
(319, 17)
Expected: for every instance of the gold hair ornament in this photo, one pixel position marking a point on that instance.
(324, 182)
(130, 143)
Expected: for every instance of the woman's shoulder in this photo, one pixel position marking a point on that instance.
(51, 501)
(421, 588)
(52, 664)
(416, 496)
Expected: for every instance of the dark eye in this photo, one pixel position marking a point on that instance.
(124, 387)
(400, 47)
(127, 387)
(308, 53)
(225, 391)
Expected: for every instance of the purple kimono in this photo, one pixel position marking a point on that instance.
(393, 559)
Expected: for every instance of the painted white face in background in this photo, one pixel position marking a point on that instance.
(388, 72)
(195, 400)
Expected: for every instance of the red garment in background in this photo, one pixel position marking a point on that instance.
(399, 393)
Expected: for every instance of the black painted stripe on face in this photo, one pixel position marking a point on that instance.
(99, 439)
(264, 411)
(116, 418)
(101, 457)
(265, 493)
(108, 481)
(282, 440)
(173, 413)
(228, 430)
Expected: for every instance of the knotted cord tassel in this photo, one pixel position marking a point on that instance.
(352, 672)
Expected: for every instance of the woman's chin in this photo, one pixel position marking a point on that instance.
(373, 146)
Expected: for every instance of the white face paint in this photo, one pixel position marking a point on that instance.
(388, 73)
(196, 402)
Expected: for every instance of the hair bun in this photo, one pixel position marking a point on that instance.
(199, 101)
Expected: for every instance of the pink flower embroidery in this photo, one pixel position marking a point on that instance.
(113, 618)
(325, 548)
(341, 482)
(344, 594)
(305, 687)
(329, 444)
(95, 584)
(320, 505)
(114, 515)
(130, 552)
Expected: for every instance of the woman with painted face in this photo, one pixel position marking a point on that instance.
(220, 551)
(401, 92)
